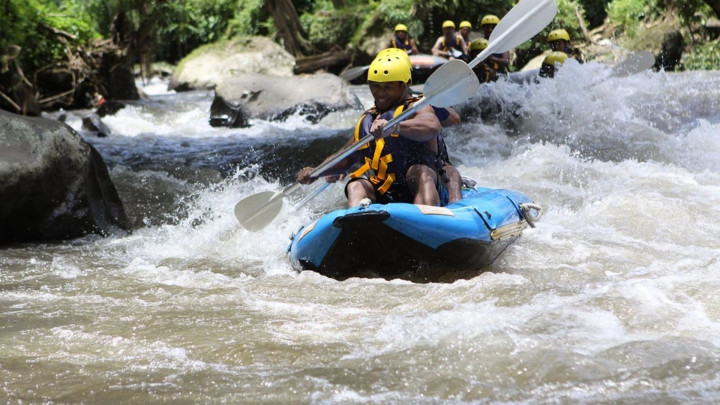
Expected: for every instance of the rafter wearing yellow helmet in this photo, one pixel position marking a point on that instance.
(465, 28)
(498, 62)
(401, 40)
(401, 163)
(559, 41)
(450, 44)
(389, 66)
(551, 63)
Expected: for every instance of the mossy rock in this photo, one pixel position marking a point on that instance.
(209, 64)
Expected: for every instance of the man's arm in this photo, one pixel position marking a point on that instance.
(436, 48)
(422, 127)
(414, 47)
(303, 176)
(463, 45)
(503, 59)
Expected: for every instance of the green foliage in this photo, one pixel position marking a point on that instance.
(188, 24)
(249, 18)
(627, 13)
(42, 30)
(328, 28)
(400, 12)
(703, 57)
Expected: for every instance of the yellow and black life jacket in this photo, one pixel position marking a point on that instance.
(385, 161)
(395, 43)
(454, 44)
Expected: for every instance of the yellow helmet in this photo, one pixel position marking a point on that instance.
(555, 57)
(464, 24)
(478, 44)
(401, 27)
(448, 24)
(558, 34)
(389, 66)
(392, 52)
(490, 19)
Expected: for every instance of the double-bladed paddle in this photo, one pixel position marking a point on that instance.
(453, 83)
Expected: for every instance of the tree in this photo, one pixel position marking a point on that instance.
(287, 24)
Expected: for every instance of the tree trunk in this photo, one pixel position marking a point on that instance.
(310, 64)
(287, 24)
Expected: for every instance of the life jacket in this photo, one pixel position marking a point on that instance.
(396, 43)
(452, 44)
(499, 69)
(483, 73)
(385, 161)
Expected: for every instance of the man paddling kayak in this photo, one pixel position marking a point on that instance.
(400, 164)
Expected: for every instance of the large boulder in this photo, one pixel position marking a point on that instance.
(210, 64)
(53, 184)
(275, 98)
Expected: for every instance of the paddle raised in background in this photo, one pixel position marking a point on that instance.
(453, 83)
(521, 23)
(353, 73)
(635, 63)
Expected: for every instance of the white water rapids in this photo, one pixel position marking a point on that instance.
(613, 298)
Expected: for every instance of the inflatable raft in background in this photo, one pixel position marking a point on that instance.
(422, 67)
(414, 242)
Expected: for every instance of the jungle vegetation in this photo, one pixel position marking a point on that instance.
(40, 35)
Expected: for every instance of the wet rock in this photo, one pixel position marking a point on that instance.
(208, 65)
(225, 114)
(109, 107)
(275, 98)
(53, 184)
(92, 123)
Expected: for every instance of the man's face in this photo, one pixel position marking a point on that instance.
(401, 35)
(557, 45)
(487, 29)
(386, 94)
(464, 31)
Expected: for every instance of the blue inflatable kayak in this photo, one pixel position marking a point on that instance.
(414, 242)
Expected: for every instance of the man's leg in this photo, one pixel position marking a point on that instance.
(454, 185)
(421, 181)
(357, 189)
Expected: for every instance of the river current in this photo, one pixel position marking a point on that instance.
(613, 298)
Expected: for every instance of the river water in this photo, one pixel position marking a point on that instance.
(612, 298)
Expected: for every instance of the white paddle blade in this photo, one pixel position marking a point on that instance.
(354, 73)
(523, 22)
(635, 63)
(258, 210)
(452, 83)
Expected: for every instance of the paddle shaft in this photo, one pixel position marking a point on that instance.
(318, 171)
